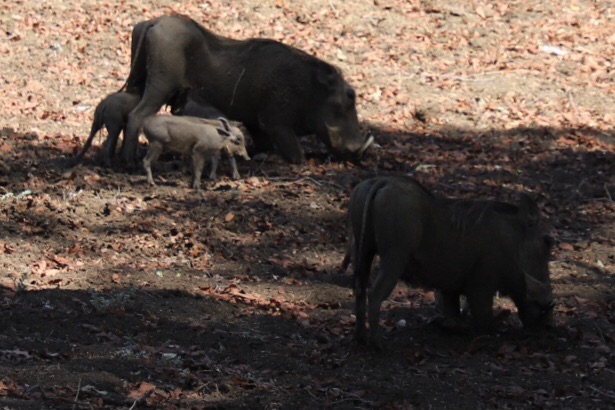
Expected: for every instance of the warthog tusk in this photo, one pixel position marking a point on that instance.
(365, 145)
(337, 141)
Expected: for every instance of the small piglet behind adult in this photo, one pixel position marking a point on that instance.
(111, 113)
(201, 138)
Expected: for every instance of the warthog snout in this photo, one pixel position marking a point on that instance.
(344, 148)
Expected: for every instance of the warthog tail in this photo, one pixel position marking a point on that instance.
(365, 231)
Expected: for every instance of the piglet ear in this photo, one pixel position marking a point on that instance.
(528, 210)
(225, 123)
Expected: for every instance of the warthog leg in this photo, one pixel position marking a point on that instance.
(362, 267)
(109, 146)
(391, 270)
(154, 151)
(447, 304)
(481, 308)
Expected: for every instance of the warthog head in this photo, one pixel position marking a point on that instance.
(338, 123)
(537, 308)
(236, 140)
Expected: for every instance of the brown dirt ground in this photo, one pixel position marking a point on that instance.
(116, 295)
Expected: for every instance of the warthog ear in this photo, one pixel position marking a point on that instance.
(537, 291)
(528, 210)
(225, 123)
(327, 74)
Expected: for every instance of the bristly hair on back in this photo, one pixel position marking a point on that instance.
(467, 213)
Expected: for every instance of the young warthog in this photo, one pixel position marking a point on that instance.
(112, 113)
(458, 247)
(203, 139)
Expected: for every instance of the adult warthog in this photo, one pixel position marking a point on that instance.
(458, 247)
(278, 92)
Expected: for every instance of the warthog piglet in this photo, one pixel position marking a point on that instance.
(203, 139)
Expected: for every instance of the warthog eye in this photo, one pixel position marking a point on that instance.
(351, 94)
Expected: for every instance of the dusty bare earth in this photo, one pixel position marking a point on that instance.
(117, 295)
